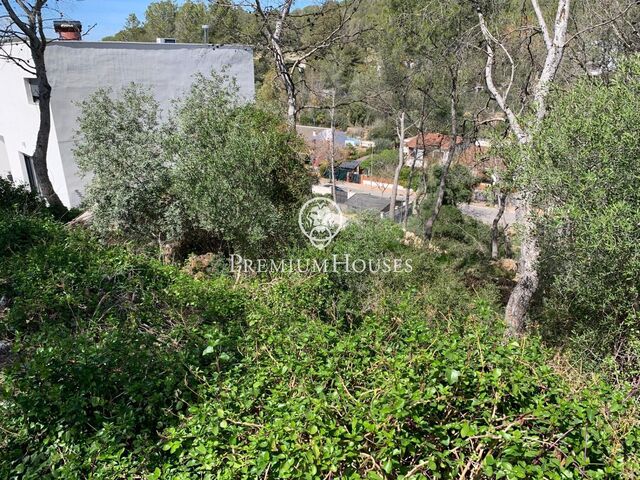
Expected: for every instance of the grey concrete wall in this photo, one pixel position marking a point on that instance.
(78, 69)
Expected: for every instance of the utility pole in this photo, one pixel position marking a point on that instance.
(373, 152)
(333, 145)
(205, 31)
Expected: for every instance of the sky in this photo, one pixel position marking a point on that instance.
(109, 16)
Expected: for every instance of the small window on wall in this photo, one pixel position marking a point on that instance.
(33, 89)
(31, 173)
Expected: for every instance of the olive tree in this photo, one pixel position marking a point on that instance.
(586, 190)
(237, 170)
(211, 174)
(120, 146)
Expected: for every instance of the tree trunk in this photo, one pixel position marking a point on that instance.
(495, 228)
(292, 111)
(44, 131)
(424, 183)
(396, 177)
(333, 148)
(508, 251)
(520, 298)
(415, 160)
(428, 229)
(408, 196)
(527, 285)
(287, 82)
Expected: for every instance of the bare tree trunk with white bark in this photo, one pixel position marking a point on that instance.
(334, 196)
(523, 293)
(450, 156)
(400, 131)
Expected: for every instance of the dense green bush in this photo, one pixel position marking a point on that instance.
(103, 343)
(237, 170)
(19, 199)
(121, 147)
(26, 218)
(382, 163)
(400, 394)
(459, 186)
(586, 187)
(215, 175)
(353, 295)
(125, 368)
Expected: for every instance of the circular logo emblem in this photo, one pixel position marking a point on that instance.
(321, 220)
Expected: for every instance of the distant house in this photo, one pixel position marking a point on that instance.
(76, 70)
(318, 141)
(349, 171)
(430, 147)
(479, 160)
(433, 148)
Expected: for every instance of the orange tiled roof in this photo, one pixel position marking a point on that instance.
(431, 140)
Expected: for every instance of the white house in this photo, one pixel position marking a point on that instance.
(77, 69)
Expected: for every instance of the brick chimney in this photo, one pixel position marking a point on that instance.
(68, 29)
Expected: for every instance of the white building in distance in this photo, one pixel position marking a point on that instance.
(76, 69)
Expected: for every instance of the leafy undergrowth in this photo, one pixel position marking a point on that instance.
(122, 367)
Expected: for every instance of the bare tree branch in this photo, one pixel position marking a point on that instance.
(543, 24)
(554, 57)
(274, 24)
(514, 123)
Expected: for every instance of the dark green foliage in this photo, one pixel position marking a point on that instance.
(104, 347)
(21, 232)
(125, 368)
(585, 183)
(19, 199)
(398, 392)
(459, 187)
(239, 159)
(381, 163)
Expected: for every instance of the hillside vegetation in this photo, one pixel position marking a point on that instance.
(122, 367)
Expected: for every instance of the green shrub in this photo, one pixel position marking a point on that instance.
(588, 196)
(459, 186)
(122, 367)
(215, 176)
(19, 199)
(106, 346)
(237, 170)
(382, 163)
(391, 397)
(121, 145)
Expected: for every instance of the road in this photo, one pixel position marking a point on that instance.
(485, 213)
(480, 211)
(377, 191)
